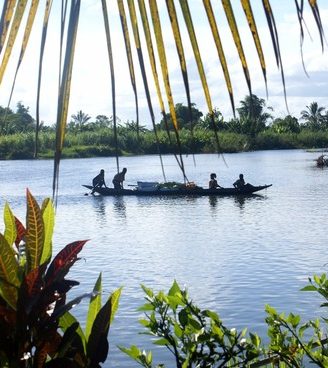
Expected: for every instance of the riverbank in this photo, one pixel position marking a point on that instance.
(102, 144)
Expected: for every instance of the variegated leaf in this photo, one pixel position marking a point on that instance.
(10, 225)
(94, 307)
(48, 216)
(9, 281)
(34, 233)
(21, 232)
(64, 258)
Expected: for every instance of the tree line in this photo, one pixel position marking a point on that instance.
(254, 116)
(253, 129)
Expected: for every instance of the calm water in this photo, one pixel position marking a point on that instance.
(233, 255)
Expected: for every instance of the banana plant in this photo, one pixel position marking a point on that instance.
(36, 326)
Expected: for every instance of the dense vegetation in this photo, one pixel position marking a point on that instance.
(254, 129)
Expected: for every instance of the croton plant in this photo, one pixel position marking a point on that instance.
(36, 326)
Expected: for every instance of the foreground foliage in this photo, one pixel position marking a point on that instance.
(36, 327)
(198, 338)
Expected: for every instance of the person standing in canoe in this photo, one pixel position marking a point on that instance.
(239, 183)
(98, 181)
(213, 183)
(119, 178)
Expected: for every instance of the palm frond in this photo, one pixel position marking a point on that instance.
(112, 75)
(64, 93)
(252, 25)
(42, 47)
(219, 47)
(129, 55)
(275, 42)
(134, 23)
(6, 16)
(236, 37)
(19, 13)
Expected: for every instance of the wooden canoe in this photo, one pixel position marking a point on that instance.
(246, 190)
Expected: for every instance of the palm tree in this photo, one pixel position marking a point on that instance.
(79, 121)
(313, 116)
(253, 115)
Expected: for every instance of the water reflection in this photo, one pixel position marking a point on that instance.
(100, 208)
(240, 201)
(119, 206)
(213, 201)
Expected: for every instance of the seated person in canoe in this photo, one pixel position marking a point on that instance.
(119, 178)
(213, 183)
(239, 183)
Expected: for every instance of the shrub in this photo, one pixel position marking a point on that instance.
(36, 327)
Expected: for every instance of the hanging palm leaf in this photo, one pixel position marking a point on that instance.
(134, 23)
(162, 56)
(252, 25)
(183, 65)
(275, 42)
(235, 34)
(42, 46)
(219, 47)
(192, 35)
(28, 29)
(112, 75)
(150, 49)
(12, 35)
(316, 14)
(64, 93)
(6, 16)
(129, 56)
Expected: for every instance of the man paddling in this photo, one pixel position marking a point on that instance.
(98, 181)
(119, 178)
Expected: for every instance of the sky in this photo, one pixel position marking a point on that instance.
(91, 85)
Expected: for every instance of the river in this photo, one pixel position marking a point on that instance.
(233, 254)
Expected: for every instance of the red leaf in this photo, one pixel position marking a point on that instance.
(64, 258)
(21, 231)
(33, 281)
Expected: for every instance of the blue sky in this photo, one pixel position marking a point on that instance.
(91, 89)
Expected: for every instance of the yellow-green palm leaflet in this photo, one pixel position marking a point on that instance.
(252, 25)
(162, 57)
(218, 44)
(150, 48)
(187, 17)
(275, 41)
(28, 28)
(43, 42)
(149, 43)
(180, 50)
(134, 23)
(128, 54)
(6, 16)
(112, 76)
(27, 32)
(65, 86)
(316, 14)
(19, 12)
(235, 34)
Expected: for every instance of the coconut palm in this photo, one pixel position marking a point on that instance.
(313, 116)
(79, 121)
(252, 114)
